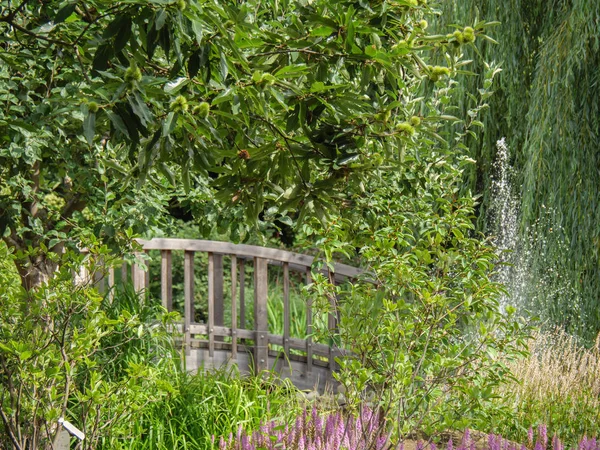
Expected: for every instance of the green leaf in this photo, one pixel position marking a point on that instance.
(117, 122)
(89, 127)
(123, 35)
(64, 12)
(169, 124)
(194, 64)
(322, 31)
(172, 87)
(160, 19)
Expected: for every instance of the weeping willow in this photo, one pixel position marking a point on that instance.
(547, 105)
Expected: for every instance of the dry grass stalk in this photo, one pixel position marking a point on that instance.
(558, 368)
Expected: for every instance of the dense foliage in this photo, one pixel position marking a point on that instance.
(67, 352)
(278, 107)
(547, 107)
(349, 122)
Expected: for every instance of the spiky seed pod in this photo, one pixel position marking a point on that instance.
(460, 38)
(133, 74)
(180, 104)
(93, 107)
(468, 34)
(268, 79)
(405, 128)
(415, 121)
(181, 5)
(244, 154)
(257, 76)
(384, 116)
(54, 202)
(437, 72)
(202, 110)
(423, 24)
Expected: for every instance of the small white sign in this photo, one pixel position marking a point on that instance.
(72, 429)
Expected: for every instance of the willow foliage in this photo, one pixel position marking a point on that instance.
(548, 109)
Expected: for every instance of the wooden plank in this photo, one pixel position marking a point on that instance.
(211, 304)
(99, 278)
(309, 327)
(242, 250)
(242, 293)
(234, 307)
(286, 309)
(188, 293)
(219, 303)
(111, 283)
(123, 273)
(332, 326)
(166, 279)
(261, 326)
(138, 274)
(147, 274)
(332, 323)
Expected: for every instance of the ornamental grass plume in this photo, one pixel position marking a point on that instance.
(558, 385)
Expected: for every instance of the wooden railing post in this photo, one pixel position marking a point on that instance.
(286, 310)
(332, 323)
(309, 327)
(111, 283)
(138, 275)
(166, 280)
(261, 326)
(242, 293)
(211, 305)
(234, 325)
(219, 307)
(188, 293)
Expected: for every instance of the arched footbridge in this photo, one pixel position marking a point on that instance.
(235, 326)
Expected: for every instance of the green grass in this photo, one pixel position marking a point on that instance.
(209, 404)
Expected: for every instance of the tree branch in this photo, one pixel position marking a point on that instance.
(24, 30)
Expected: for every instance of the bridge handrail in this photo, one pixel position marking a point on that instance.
(243, 251)
(235, 338)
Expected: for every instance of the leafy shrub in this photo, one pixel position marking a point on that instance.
(422, 333)
(65, 352)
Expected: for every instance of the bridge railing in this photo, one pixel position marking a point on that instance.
(212, 335)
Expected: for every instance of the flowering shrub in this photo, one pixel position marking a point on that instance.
(367, 432)
(314, 432)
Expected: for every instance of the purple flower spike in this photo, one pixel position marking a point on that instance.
(556, 442)
(450, 445)
(466, 440)
(530, 437)
(380, 443)
(543, 436)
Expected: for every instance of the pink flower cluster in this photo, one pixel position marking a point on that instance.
(311, 431)
(314, 432)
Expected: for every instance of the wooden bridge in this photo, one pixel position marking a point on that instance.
(210, 343)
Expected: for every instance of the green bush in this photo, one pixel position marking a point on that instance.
(66, 352)
(423, 332)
